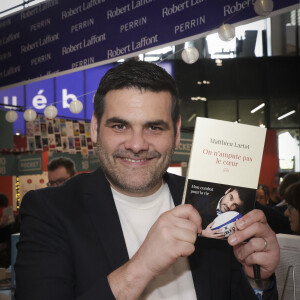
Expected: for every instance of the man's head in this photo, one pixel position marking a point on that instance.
(233, 199)
(136, 125)
(139, 75)
(287, 180)
(59, 170)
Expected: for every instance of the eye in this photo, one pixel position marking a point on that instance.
(119, 126)
(155, 128)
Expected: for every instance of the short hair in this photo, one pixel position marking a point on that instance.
(141, 75)
(246, 195)
(3, 200)
(58, 162)
(287, 180)
(292, 195)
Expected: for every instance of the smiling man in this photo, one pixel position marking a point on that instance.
(136, 140)
(120, 232)
(232, 200)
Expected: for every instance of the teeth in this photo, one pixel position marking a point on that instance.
(134, 160)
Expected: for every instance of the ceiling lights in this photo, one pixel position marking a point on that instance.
(263, 7)
(198, 98)
(257, 108)
(11, 116)
(286, 115)
(203, 82)
(190, 55)
(50, 112)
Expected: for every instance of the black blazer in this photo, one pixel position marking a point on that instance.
(71, 239)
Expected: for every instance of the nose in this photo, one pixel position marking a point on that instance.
(137, 141)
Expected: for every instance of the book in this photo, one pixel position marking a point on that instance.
(288, 269)
(223, 173)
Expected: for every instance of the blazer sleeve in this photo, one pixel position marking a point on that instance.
(44, 265)
(241, 288)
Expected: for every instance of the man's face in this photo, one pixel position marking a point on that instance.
(231, 201)
(58, 176)
(136, 139)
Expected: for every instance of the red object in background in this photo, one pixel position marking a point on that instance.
(29, 181)
(269, 164)
(6, 187)
(20, 143)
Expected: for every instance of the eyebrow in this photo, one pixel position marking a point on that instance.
(148, 123)
(159, 123)
(115, 120)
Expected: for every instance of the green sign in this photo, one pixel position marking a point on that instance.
(7, 132)
(15, 165)
(30, 165)
(182, 153)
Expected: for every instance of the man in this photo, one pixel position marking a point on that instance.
(59, 170)
(234, 199)
(115, 233)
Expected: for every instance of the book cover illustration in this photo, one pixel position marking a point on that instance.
(223, 173)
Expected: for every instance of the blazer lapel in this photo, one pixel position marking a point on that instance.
(99, 203)
(176, 185)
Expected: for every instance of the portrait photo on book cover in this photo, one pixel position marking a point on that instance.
(219, 206)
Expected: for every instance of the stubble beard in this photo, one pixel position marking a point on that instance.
(144, 179)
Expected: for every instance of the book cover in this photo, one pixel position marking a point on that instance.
(223, 173)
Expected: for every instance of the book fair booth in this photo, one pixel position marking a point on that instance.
(54, 53)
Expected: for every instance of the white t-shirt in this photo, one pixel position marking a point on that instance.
(137, 215)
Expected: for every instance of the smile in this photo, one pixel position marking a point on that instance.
(134, 160)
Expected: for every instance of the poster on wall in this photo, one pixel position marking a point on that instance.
(59, 135)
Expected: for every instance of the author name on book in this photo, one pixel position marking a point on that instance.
(229, 144)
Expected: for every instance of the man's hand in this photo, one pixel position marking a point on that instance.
(172, 236)
(262, 248)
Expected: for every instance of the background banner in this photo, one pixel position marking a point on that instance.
(58, 36)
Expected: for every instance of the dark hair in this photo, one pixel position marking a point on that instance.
(292, 195)
(3, 200)
(247, 196)
(140, 75)
(287, 180)
(266, 190)
(55, 163)
(274, 190)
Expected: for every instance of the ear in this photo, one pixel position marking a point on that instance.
(177, 137)
(94, 129)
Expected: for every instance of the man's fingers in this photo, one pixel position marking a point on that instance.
(250, 218)
(185, 224)
(254, 245)
(187, 211)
